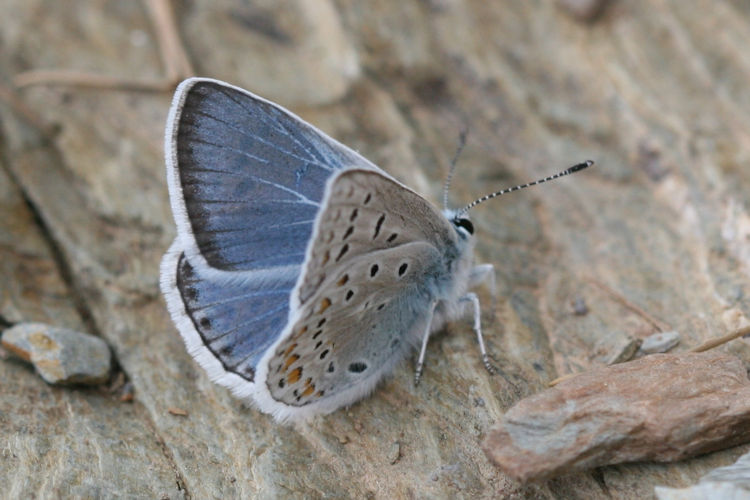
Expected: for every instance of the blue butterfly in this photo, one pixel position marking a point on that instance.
(301, 273)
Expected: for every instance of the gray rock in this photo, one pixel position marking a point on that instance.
(660, 342)
(616, 347)
(60, 355)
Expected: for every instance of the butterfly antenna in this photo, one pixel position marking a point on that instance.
(571, 170)
(449, 177)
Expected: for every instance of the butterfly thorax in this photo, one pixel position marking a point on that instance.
(457, 281)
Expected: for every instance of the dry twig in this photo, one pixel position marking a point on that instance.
(174, 57)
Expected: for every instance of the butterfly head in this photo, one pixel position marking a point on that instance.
(463, 226)
(461, 223)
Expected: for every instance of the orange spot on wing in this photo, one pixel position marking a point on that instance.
(295, 375)
(291, 359)
(310, 389)
(324, 304)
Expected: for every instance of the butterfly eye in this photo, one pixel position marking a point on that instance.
(464, 223)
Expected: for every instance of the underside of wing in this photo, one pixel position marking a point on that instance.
(366, 315)
(379, 257)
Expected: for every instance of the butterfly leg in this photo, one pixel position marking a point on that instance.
(423, 350)
(484, 274)
(474, 300)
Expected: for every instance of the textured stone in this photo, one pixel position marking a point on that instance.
(661, 407)
(62, 443)
(584, 10)
(56, 442)
(60, 355)
(616, 347)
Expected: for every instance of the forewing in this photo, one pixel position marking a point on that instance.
(246, 176)
(379, 255)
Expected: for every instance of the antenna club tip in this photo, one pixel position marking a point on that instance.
(580, 166)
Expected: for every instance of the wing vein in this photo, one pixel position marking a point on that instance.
(239, 297)
(245, 323)
(279, 128)
(258, 138)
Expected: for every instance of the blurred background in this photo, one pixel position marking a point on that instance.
(655, 237)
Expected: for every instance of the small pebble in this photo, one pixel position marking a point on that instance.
(177, 411)
(128, 393)
(579, 307)
(616, 347)
(394, 454)
(660, 342)
(626, 352)
(60, 355)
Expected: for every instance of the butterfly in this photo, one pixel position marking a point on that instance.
(302, 273)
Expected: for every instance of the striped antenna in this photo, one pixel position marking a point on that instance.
(449, 177)
(573, 169)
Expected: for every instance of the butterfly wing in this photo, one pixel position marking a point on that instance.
(380, 257)
(246, 179)
(245, 176)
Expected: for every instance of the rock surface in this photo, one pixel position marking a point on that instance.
(655, 92)
(659, 408)
(584, 10)
(57, 442)
(60, 355)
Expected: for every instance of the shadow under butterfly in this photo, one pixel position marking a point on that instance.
(302, 273)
